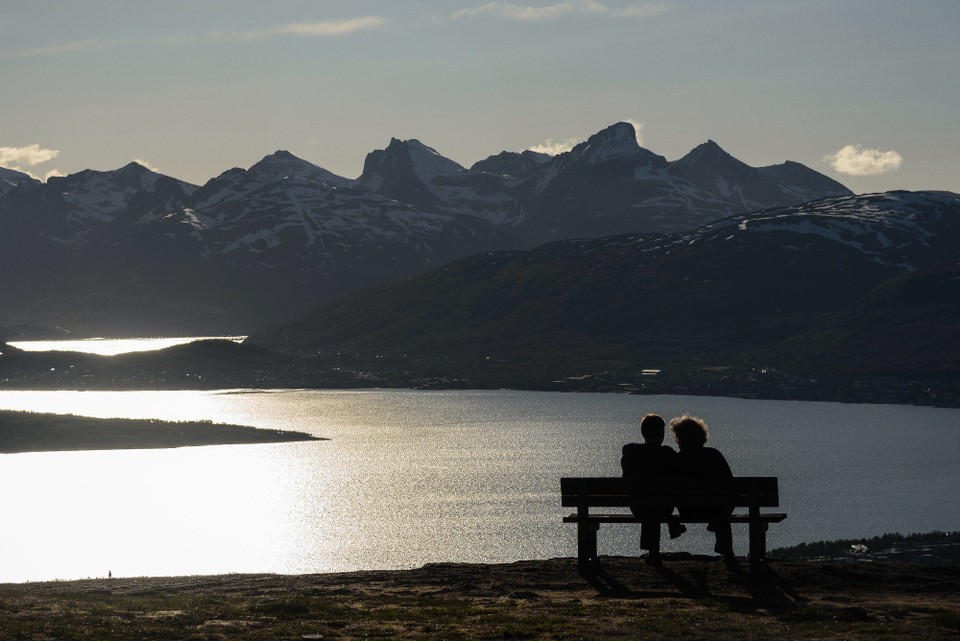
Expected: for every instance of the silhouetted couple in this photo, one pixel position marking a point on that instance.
(654, 460)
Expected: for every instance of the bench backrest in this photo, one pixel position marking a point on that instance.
(740, 491)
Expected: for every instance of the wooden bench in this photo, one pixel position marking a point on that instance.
(751, 492)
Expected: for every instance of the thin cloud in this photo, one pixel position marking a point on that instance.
(553, 147)
(516, 12)
(80, 46)
(317, 29)
(30, 155)
(526, 13)
(301, 29)
(853, 160)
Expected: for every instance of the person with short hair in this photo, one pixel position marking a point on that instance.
(648, 460)
(706, 464)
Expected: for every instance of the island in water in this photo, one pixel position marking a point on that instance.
(35, 432)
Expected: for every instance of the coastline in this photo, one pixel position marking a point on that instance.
(689, 597)
(222, 364)
(39, 432)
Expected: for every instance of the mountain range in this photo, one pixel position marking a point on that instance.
(845, 288)
(134, 252)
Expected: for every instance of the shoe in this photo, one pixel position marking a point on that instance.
(676, 529)
(653, 558)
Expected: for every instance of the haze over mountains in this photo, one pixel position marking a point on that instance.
(133, 252)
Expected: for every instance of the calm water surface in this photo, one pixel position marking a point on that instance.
(411, 477)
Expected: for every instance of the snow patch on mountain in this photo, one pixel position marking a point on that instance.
(428, 163)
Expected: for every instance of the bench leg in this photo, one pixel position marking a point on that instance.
(758, 547)
(587, 544)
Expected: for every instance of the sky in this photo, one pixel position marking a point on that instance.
(864, 91)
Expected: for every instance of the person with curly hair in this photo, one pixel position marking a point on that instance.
(707, 465)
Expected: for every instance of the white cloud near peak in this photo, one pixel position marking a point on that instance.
(527, 13)
(638, 127)
(854, 160)
(30, 155)
(148, 165)
(553, 147)
(22, 158)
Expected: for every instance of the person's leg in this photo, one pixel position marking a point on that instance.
(650, 537)
(724, 534)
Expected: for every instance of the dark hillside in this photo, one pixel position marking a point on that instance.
(858, 286)
(908, 325)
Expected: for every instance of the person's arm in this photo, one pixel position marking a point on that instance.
(628, 460)
(723, 468)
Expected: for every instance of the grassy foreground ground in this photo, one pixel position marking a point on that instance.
(690, 597)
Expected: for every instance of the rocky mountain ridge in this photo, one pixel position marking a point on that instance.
(132, 251)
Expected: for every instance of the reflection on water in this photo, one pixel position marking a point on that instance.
(113, 346)
(412, 477)
(145, 512)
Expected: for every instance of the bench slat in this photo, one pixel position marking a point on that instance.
(743, 491)
(768, 517)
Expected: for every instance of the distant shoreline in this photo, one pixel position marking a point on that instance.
(222, 364)
(22, 432)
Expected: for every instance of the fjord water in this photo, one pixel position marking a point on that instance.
(412, 477)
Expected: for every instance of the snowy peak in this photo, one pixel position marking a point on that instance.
(903, 231)
(14, 176)
(712, 169)
(427, 163)
(617, 141)
(707, 154)
(10, 178)
(283, 164)
(408, 156)
(103, 195)
(510, 164)
(274, 171)
(134, 169)
(406, 171)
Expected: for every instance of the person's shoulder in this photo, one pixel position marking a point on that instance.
(631, 448)
(666, 450)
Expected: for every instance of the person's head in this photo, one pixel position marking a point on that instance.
(651, 428)
(689, 431)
